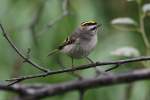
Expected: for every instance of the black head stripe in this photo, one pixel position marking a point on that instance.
(88, 23)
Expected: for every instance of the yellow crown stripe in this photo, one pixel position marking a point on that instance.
(88, 22)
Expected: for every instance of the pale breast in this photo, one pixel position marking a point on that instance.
(80, 49)
(89, 45)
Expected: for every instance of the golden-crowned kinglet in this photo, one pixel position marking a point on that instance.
(81, 42)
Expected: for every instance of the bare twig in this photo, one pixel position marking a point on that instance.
(114, 67)
(81, 67)
(128, 91)
(65, 8)
(99, 82)
(65, 12)
(81, 94)
(142, 30)
(35, 21)
(14, 82)
(42, 91)
(19, 53)
(28, 53)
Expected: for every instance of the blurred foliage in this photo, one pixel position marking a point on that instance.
(18, 15)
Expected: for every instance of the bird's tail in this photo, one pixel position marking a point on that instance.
(53, 52)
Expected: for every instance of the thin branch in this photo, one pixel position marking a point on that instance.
(42, 91)
(19, 52)
(65, 10)
(112, 68)
(35, 21)
(142, 30)
(15, 88)
(81, 67)
(128, 91)
(81, 94)
(99, 82)
(28, 53)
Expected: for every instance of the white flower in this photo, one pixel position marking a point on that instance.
(124, 20)
(126, 52)
(125, 23)
(146, 9)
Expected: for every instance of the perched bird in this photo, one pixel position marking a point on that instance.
(81, 42)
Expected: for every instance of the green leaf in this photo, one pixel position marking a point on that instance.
(124, 23)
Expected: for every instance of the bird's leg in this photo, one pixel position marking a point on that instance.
(98, 72)
(75, 73)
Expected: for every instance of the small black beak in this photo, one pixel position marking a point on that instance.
(99, 25)
(95, 27)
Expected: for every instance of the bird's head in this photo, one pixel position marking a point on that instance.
(89, 26)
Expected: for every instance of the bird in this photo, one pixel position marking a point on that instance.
(81, 42)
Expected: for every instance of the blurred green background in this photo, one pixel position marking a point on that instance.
(27, 22)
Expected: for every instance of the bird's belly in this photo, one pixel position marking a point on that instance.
(75, 51)
(81, 49)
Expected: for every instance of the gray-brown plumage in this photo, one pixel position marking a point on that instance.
(81, 42)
